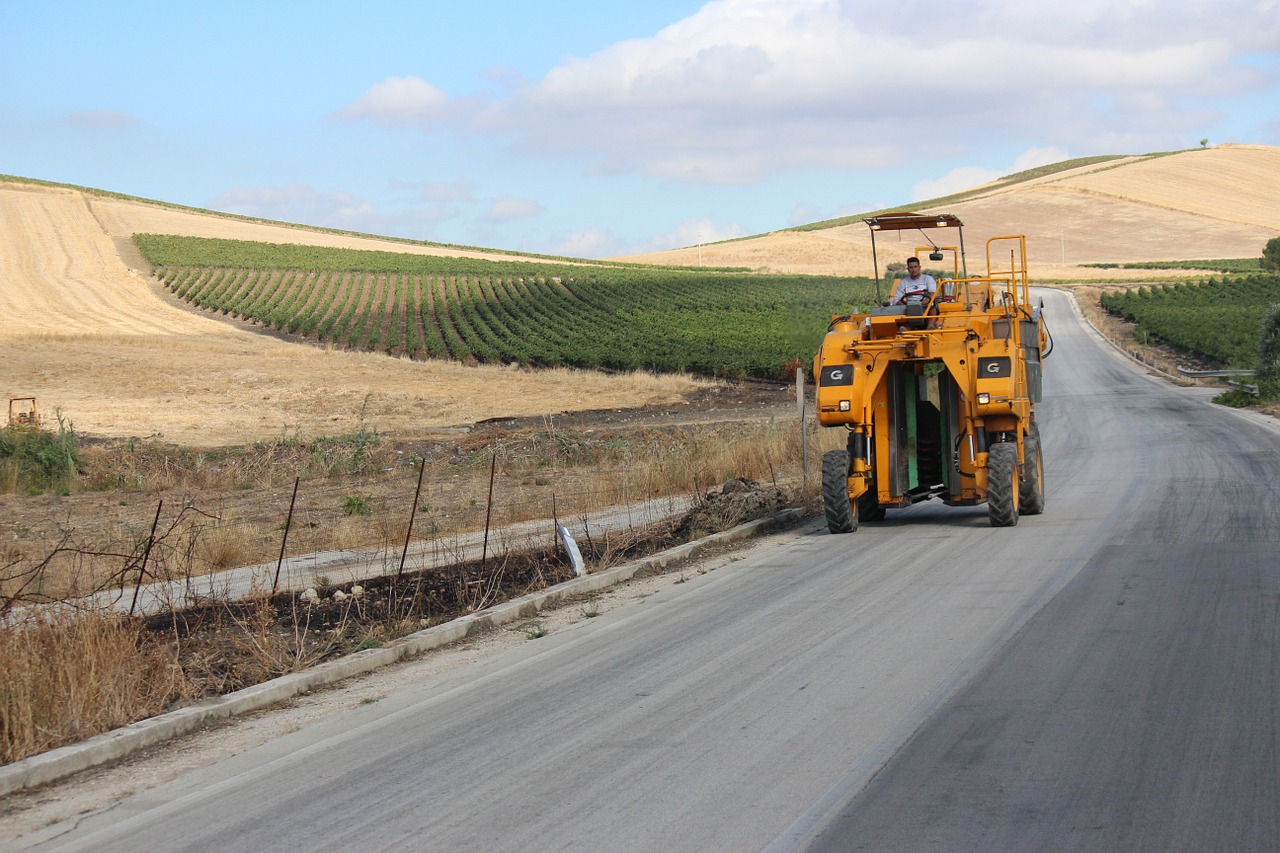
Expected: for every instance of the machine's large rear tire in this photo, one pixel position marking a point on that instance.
(841, 517)
(1002, 484)
(1031, 484)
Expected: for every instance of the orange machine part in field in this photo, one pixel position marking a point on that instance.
(23, 412)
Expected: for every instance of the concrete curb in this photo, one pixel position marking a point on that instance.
(60, 763)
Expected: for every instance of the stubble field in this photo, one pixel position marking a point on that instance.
(89, 333)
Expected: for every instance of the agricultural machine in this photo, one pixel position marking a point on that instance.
(23, 412)
(939, 396)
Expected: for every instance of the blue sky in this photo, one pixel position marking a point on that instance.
(594, 128)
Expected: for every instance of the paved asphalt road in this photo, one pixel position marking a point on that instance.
(1101, 677)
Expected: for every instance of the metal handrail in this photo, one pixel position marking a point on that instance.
(1216, 373)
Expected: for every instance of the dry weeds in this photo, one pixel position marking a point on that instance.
(71, 674)
(68, 676)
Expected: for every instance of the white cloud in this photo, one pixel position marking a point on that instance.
(969, 177)
(962, 178)
(329, 209)
(743, 89)
(592, 243)
(398, 101)
(603, 243)
(1034, 158)
(691, 232)
(509, 208)
(803, 213)
(442, 192)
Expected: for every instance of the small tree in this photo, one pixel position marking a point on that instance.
(1271, 255)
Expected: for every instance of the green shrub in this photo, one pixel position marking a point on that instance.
(1269, 345)
(34, 459)
(356, 505)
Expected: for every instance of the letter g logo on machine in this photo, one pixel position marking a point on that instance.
(994, 368)
(837, 374)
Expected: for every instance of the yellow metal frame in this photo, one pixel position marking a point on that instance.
(975, 321)
(23, 416)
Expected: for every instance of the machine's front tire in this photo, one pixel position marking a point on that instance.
(1031, 485)
(835, 492)
(1002, 484)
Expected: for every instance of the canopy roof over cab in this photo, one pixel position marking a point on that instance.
(911, 221)
(907, 221)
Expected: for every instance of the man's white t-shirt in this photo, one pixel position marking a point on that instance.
(914, 289)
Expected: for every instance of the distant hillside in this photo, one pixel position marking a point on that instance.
(89, 332)
(1198, 204)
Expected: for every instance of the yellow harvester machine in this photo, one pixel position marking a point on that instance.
(23, 412)
(938, 398)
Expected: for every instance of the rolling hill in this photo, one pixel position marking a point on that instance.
(90, 333)
(1191, 205)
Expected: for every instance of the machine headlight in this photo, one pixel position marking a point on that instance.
(984, 398)
(844, 405)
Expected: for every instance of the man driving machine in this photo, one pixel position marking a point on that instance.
(915, 287)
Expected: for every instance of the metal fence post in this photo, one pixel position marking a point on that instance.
(288, 522)
(412, 514)
(142, 570)
(804, 427)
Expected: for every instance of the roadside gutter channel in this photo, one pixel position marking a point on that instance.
(103, 749)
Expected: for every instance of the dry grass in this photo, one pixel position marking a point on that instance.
(68, 675)
(222, 509)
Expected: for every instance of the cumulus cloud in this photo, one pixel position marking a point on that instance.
(592, 243)
(962, 178)
(803, 213)
(329, 209)
(691, 232)
(398, 101)
(743, 89)
(509, 208)
(968, 177)
(603, 243)
(100, 120)
(443, 192)
(1034, 158)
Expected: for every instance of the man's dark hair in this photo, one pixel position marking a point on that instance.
(909, 260)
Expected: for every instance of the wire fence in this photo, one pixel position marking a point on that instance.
(314, 532)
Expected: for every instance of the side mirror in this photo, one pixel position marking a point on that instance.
(935, 256)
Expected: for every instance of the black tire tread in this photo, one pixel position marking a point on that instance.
(1002, 484)
(1031, 483)
(835, 492)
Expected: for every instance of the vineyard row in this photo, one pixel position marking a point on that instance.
(731, 325)
(1218, 318)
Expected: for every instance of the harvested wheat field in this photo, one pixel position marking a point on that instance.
(89, 333)
(1202, 204)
